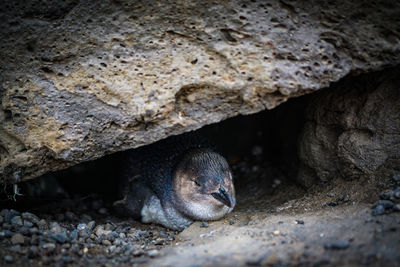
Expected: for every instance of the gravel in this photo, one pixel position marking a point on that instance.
(337, 244)
(79, 238)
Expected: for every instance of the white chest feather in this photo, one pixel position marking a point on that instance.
(153, 211)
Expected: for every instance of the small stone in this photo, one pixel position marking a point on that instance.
(231, 222)
(42, 225)
(387, 204)
(81, 226)
(49, 246)
(385, 195)
(330, 194)
(60, 238)
(30, 217)
(153, 253)
(28, 224)
(332, 203)
(73, 235)
(109, 227)
(106, 242)
(396, 193)
(91, 225)
(337, 245)
(16, 221)
(396, 207)
(1, 219)
(396, 178)
(379, 210)
(17, 239)
(9, 214)
(340, 198)
(299, 221)
(8, 259)
(276, 232)
(55, 227)
(204, 225)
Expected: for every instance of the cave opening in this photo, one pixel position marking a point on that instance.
(315, 177)
(260, 148)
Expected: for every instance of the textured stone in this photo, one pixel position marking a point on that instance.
(80, 79)
(353, 130)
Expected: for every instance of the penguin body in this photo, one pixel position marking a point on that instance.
(176, 181)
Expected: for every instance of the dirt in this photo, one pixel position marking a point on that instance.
(276, 222)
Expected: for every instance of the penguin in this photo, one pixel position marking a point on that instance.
(175, 182)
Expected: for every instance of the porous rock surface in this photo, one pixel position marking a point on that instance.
(80, 79)
(353, 130)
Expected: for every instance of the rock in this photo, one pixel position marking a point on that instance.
(396, 207)
(106, 242)
(378, 210)
(42, 225)
(28, 224)
(387, 204)
(73, 235)
(91, 225)
(8, 259)
(81, 227)
(204, 224)
(99, 231)
(55, 227)
(349, 133)
(337, 245)
(153, 253)
(299, 221)
(60, 238)
(49, 246)
(16, 221)
(17, 239)
(69, 97)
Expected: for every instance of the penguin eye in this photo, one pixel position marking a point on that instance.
(197, 183)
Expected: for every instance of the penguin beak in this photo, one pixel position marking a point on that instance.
(223, 197)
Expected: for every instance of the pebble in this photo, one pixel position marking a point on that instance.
(332, 203)
(30, 217)
(8, 259)
(1, 219)
(91, 225)
(396, 178)
(17, 239)
(379, 210)
(396, 207)
(337, 245)
(204, 225)
(28, 224)
(73, 235)
(387, 204)
(299, 221)
(330, 194)
(16, 221)
(106, 242)
(60, 238)
(42, 225)
(49, 246)
(231, 222)
(153, 253)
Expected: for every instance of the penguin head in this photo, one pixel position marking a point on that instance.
(203, 185)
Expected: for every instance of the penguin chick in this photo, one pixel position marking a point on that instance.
(177, 181)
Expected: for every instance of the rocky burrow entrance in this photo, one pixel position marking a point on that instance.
(316, 178)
